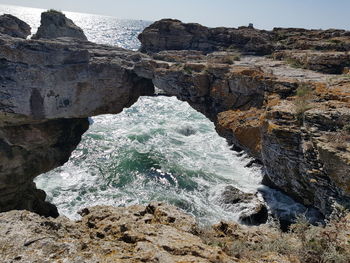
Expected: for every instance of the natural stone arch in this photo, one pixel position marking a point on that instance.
(61, 82)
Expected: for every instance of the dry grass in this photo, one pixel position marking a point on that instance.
(304, 243)
(340, 138)
(294, 63)
(304, 95)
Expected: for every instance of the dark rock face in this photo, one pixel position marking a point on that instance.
(66, 78)
(12, 26)
(29, 150)
(48, 91)
(254, 211)
(55, 24)
(170, 34)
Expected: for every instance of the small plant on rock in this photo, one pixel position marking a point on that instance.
(304, 95)
(54, 11)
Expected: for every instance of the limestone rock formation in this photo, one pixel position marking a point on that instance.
(49, 88)
(305, 39)
(291, 119)
(327, 50)
(13, 26)
(171, 34)
(55, 24)
(329, 62)
(156, 233)
(258, 105)
(253, 210)
(29, 150)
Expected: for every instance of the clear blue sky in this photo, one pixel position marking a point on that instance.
(263, 13)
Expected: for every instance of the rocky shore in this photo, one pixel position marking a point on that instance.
(282, 96)
(163, 233)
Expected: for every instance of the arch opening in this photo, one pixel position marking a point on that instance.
(159, 149)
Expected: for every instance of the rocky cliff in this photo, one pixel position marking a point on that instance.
(294, 121)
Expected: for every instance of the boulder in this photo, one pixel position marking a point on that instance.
(55, 24)
(253, 211)
(13, 26)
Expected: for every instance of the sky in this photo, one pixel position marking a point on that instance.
(264, 14)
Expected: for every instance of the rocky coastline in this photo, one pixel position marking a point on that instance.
(282, 96)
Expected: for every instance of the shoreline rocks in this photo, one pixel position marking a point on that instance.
(290, 119)
(253, 211)
(172, 34)
(155, 233)
(55, 24)
(12, 26)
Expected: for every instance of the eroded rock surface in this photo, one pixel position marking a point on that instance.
(258, 104)
(48, 89)
(13, 26)
(255, 102)
(55, 24)
(253, 210)
(156, 233)
(29, 150)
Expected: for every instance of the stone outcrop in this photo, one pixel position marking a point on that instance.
(156, 233)
(12, 26)
(327, 50)
(29, 150)
(163, 233)
(257, 103)
(55, 24)
(329, 62)
(253, 210)
(305, 39)
(48, 91)
(171, 34)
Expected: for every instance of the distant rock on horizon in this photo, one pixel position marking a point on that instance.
(55, 24)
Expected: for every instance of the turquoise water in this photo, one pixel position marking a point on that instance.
(160, 149)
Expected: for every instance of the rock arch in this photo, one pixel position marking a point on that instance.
(50, 87)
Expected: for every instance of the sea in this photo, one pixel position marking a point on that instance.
(158, 150)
